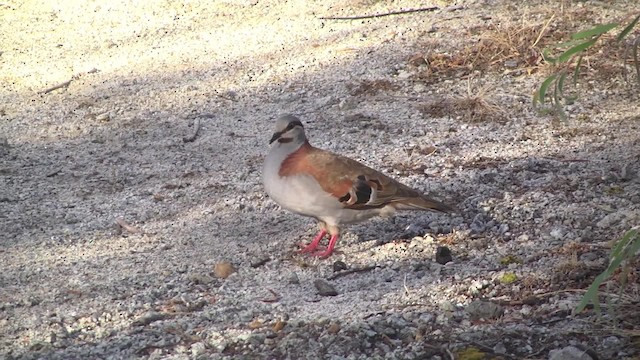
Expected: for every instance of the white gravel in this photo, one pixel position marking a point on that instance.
(537, 198)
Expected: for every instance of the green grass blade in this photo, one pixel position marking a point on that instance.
(560, 84)
(596, 31)
(542, 92)
(627, 29)
(546, 52)
(565, 56)
(576, 72)
(625, 248)
(622, 243)
(592, 294)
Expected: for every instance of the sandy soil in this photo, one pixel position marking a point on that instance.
(111, 224)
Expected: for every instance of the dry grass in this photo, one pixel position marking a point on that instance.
(476, 106)
(516, 47)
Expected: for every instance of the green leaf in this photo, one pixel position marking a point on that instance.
(624, 249)
(596, 31)
(546, 52)
(542, 92)
(627, 29)
(565, 56)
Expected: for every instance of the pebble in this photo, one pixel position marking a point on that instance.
(324, 288)
(293, 278)
(569, 353)
(479, 309)
(149, 317)
(443, 255)
(223, 269)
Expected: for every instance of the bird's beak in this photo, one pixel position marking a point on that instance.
(275, 137)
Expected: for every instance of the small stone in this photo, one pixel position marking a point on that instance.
(419, 88)
(447, 306)
(294, 279)
(339, 266)
(443, 255)
(557, 233)
(149, 317)
(198, 348)
(223, 269)
(279, 325)
(203, 279)
(334, 328)
(325, 288)
(478, 225)
(569, 353)
(104, 117)
(484, 310)
(259, 262)
(589, 256)
(403, 74)
(347, 104)
(512, 64)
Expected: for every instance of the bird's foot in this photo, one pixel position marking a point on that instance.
(325, 253)
(313, 246)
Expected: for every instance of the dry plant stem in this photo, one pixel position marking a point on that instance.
(397, 12)
(56, 87)
(130, 228)
(275, 298)
(194, 135)
(66, 83)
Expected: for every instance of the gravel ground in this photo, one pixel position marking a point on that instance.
(126, 234)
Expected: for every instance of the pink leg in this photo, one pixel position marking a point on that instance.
(314, 243)
(325, 254)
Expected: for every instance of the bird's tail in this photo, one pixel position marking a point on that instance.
(424, 203)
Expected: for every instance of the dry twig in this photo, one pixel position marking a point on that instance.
(66, 83)
(396, 12)
(130, 228)
(275, 298)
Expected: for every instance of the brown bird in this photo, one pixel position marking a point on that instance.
(333, 189)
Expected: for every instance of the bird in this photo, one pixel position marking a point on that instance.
(333, 189)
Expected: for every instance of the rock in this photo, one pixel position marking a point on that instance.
(223, 269)
(347, 104)
(259, 262)
(479, 309)
(589, 256)
(478, 225)
(443, 255)
(557, 232)
(339, 266)
(569, 353)
(198, 348)
(149, 317)
(294, 279)
(325, 288)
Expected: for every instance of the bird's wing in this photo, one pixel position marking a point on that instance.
(355, 185)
